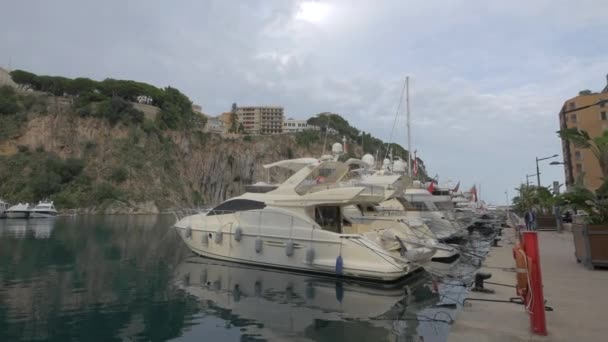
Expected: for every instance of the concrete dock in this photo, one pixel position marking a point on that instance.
(578, 296)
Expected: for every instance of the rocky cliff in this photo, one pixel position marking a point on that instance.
(85, 162)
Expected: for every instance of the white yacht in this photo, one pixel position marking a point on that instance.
(44, 209)
(3, 207)
(300, 226)
(432, 209)
(21, 210)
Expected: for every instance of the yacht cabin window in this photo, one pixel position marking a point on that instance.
(413, 205)
(444, 205)
(329, 218)
(233, 206)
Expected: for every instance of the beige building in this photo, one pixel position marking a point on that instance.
(587, 112)
(261, 119)
(296, 125)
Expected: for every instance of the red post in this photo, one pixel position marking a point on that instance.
(536, 299)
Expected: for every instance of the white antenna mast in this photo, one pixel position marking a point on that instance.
(409, 135)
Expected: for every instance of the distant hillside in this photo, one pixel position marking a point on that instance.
(95, 151)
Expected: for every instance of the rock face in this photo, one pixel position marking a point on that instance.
(129, 168)
(165, 169)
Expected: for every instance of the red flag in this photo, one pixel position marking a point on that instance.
(431, 187)
(474, 193)
(456, 187)
(415, 165)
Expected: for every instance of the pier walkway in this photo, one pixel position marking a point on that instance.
(578, 296)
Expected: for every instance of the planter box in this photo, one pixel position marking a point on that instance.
(546, 222)
(591, 244)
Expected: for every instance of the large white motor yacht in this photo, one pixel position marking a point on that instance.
(21, 210)
(301, 226)
(44, 209)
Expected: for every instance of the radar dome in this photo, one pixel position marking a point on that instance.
(386, 163)
(369, 159)
(399, 166)
(336, 148)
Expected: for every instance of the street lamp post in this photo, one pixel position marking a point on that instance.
(538, 171)
(528, 177)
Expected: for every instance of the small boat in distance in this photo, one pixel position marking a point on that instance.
(3, 207)
(21, 210)
(44, 209)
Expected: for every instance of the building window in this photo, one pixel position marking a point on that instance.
(579, 168)
(578, 155)
(572, 105)
(573, 117)
(603, 115)
(603, 103)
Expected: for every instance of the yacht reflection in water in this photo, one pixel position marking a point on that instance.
(20, 228)
(281, 305)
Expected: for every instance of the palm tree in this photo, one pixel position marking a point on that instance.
(597, 145)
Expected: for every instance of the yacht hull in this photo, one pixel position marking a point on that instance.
(17, 214)
(42, 214)
(349, 256)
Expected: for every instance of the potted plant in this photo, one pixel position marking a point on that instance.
(590, 231)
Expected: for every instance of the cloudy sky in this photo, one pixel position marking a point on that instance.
(487, 77)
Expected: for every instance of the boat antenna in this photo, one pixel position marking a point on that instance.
(326, 133)
(396, 116)
(409, 134)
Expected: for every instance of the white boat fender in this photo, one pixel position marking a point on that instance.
(310, 255)
(238, 233)
(258, 245)
(205, 239)
(289, 248)
(218, 236)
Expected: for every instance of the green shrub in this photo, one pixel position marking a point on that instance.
(117, 110)
(119, 175)
(104, 191)
(307, 138)
(247, 138)
(23, 148)
(8, 100)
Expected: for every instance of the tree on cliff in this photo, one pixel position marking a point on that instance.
(8, 100)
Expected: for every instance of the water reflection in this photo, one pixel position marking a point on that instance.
(117, 278)
(278, 305)
(19, 228)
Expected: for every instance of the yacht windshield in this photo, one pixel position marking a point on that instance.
(444, 205)
(322, 177)
(232, 206)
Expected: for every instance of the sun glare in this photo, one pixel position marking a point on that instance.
(313, 12)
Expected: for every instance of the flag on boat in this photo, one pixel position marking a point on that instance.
(431, 187)
(473, 192)
(456, 187)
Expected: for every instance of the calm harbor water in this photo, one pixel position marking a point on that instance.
(130, 278)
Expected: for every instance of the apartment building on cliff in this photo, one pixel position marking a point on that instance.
(589, 112)
(261, 119)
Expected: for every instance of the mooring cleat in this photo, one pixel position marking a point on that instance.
(479, 278)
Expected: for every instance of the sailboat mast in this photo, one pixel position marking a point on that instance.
(409, 136)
